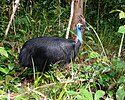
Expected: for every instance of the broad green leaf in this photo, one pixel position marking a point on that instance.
(90, 38)
(110, 94)
(121, 15)
(23, 31)
(94, 55)
(83, 53)
(115, 11)
(4, 70)
(120, 94)
(120, 64)
(3, 52)
(78, 97)
(35, 97)
(72, 93)
(47, 76)
(33, 21)
(61, 94)
(3, 99)
(2, 92)
(11, 66)
(86, 95)
(8, 78)
(121, 29)
(19, 97)
(121, 79)
(99, 94)
(37, 81)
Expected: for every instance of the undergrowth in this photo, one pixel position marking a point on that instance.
(99, 70)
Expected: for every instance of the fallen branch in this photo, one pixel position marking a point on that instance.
(63, 83)
(70, 20)
(37, 92)
(12, 16)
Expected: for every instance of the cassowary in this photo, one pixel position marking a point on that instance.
(46, 50)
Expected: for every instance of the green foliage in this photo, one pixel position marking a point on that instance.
(99, 94)
(3, 52)
(97, 72)
(120, 94)
(4, 70)
(121, 29)
(121, 13)
(93, 55)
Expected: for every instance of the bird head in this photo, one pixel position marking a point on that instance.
(82, 27)
(79, 28)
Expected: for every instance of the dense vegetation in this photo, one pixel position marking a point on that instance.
(99, 70)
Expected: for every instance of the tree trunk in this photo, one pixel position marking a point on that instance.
(78, 11)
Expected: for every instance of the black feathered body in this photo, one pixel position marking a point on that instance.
(48, 50)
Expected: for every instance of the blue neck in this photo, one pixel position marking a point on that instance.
(79, 34)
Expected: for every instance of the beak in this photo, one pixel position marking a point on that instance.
(85, 28)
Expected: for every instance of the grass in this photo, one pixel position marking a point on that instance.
(97, 77)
